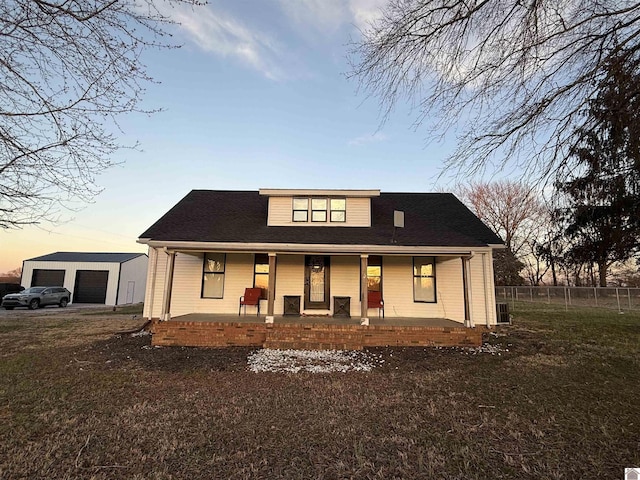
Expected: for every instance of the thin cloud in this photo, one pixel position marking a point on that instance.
(327, 16)
(367, 139)
(219, 33)
(366, 12)
(244, 39)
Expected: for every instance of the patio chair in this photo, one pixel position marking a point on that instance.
(251, 297)
(374, 300)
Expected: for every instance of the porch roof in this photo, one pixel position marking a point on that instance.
(431, 219)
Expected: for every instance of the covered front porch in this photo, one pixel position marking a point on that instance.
(305, 332)
(435, 284)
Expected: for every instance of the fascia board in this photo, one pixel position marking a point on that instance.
(316, 248)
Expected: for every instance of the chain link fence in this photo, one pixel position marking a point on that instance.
(619, 298)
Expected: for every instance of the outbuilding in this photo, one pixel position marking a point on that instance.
(91, 277)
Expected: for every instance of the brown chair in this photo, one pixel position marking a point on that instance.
(251, 297)
(374, 300)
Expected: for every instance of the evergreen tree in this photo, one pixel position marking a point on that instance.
(601, 216)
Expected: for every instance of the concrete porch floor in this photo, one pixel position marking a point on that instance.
(309, 320)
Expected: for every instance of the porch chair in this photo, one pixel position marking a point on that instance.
(251, 297)
(374, 300)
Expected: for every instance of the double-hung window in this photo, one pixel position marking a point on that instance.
(318, 209)
(338, 210)
(300, 209)
(261, 274)
(213, 275)
(424, 279)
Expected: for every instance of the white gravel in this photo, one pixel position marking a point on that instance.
(487, 348)
(141, 333)
(313, 361)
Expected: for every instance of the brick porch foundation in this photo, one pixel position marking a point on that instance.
(310, 336)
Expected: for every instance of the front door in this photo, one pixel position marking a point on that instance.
(316, 282)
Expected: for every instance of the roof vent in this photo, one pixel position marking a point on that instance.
(398, 222)
(398, 219)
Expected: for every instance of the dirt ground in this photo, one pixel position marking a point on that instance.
(120, 350)
(554, 396)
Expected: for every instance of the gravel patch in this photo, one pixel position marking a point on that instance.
(312, 361)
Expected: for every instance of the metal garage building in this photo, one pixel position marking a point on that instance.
(109, 278)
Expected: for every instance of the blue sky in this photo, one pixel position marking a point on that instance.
(257, 97)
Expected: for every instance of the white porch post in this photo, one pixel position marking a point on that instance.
(153, 259)
(272, 288)
(466, 287)
(487, 294)
(168, 283)
(364, 288)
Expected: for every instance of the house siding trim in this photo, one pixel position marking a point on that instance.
(301, 192)
(335, 249)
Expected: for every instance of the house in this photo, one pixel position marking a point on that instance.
(108, 278)
(631, 473)
(318, 253)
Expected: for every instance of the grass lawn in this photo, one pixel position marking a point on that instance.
(562, 403)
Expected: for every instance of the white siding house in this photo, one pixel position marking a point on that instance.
(324, 253)
(101, 278)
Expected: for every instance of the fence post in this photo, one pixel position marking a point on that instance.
(629, 297)
(531, 294)
(595, 295)
(548, 296)
(566, 307)
(513, 299)
(569, 291)
(618, 298)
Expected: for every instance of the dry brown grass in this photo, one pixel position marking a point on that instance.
(77, 402)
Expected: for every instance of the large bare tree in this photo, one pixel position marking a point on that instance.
(511, 209)
(509, 78)
(68, 70)
(517, 214)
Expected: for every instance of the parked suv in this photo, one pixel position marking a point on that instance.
(36, 297)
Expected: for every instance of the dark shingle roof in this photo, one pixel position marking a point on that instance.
(431, 219)
(86, 257)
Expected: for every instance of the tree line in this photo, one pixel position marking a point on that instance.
(591, 221)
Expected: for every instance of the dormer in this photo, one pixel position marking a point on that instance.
(319, 208)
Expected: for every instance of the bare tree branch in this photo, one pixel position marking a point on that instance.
(511, 79)
(68, 70)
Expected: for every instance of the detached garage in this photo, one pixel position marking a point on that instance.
(107, 278)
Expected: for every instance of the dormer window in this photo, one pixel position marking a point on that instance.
(319, 207)
(319, 210)
(300, 209)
